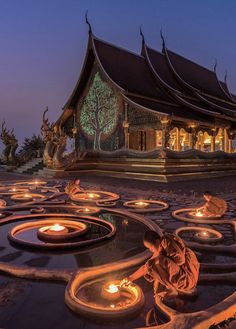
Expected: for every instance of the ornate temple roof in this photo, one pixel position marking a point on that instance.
(164, 82)
(127, 70)
(195, 75)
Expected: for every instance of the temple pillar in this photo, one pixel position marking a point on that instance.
(126, 127)
(213, 146)
(202, 142)
(126, 133)
(164, 138)
(177, 146)
(165, 132)
(190, 135)
(192, 139)
(231, 136)
(197, 143)
(226, 141)
(230, 145)
(213, 139)
(143, 140)
(222, 142)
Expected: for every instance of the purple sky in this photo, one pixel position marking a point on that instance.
(43, 43)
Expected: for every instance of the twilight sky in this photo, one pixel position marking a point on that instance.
(43, 43)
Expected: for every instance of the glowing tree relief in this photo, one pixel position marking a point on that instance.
(98, 115)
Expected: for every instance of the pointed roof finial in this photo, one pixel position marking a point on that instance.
(87, 22)
(142, 35)
(225, 77)
(163, 40)
(215, 65)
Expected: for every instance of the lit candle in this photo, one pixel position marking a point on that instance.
(204, 234)
(112, 288)
(93, 195)
(86, 209)
(110, 291)
(199, 214)
(141, 204)
(57, 228)
(112, 306)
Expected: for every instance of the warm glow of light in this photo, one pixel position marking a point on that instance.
(14, 189)
(36, 182)
(165, 121)
(199, 214)
(86, 209)
(92, 195)
(26, 195)
(112, 306)
(207, 141)
(112, 288)
(57, 228)
(204, 234)
(141, 204)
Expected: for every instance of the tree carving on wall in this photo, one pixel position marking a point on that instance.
(99, 112)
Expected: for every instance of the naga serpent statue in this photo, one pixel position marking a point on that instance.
(48, 136)
(9, 140)
(55, 145)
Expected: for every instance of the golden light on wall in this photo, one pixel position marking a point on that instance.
(207, 141)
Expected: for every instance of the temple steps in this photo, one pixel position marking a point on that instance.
(30, 167)
(45, 172)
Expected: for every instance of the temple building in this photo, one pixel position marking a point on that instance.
(128, 105)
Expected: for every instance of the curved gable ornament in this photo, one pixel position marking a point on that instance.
(99, 112)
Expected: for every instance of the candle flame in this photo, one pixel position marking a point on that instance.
(57, 227)
(199, 214)
(26, 195)
(86, 209)
(112, 288)
(93, 195)
(141, 203)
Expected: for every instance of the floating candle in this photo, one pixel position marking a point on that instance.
(141, 204)
(112, 288)
(93, 195)
(199, 214)
(57, 228)
(110, 291)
